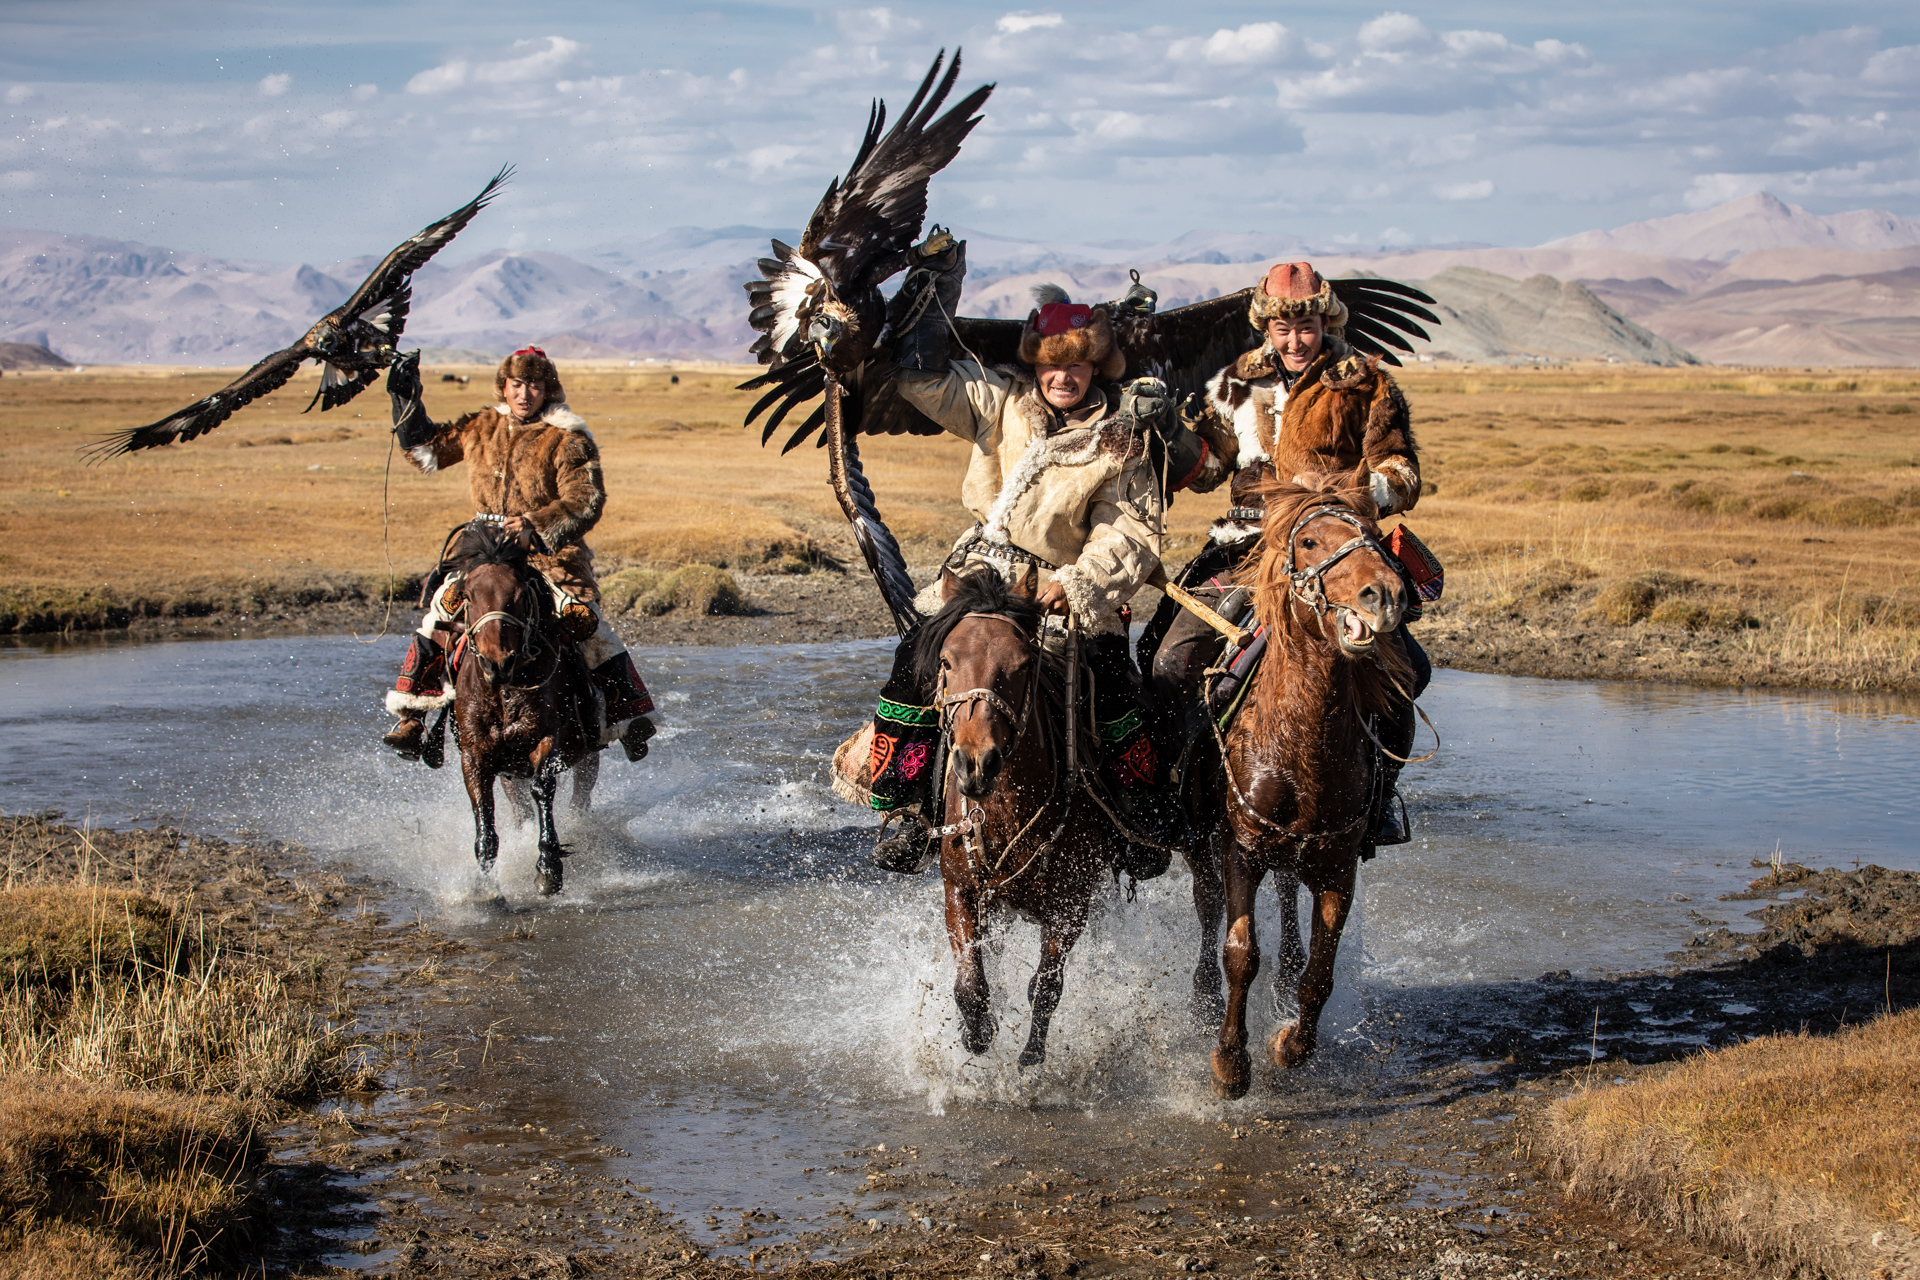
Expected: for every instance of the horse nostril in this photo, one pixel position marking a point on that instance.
(989, 764)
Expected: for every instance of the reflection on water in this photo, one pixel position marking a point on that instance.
(725, 991)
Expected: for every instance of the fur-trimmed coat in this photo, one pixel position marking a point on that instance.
(1074, 488)
(547, 471)
(1343, 410)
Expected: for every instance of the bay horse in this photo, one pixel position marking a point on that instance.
(524, 705)
(1289, 788)
(1026, 838)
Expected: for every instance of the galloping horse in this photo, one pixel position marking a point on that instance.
(524, 706)
(1290, 789)
(1026, 837)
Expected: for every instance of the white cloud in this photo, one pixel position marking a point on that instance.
(365, 92)
(539, 59)
(274, 85)
(1394, 33)
(1013, 24)
(440, 79)
(1710, 189)
(1465, 190)
(1898, 68)
(1254, 43)
(19, 93)
(19, 179)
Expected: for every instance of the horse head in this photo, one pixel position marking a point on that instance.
(1321, 556)
(982, 648)
(505, 609)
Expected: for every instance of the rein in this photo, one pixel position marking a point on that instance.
(530, 640)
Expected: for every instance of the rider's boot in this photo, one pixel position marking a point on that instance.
(1146, 804)
(906, 735)
(1389, 824)
(420, 686)
(627, 699)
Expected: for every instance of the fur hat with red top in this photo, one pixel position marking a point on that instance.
(530, 364)
(1061, 331)
(1291, 290)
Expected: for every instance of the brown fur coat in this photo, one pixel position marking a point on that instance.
(1343, 410)
(547, 471)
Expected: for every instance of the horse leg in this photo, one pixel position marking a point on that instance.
(1232, 1068)
(1293, 957)
(486, 839)
(585, 775)
(1294, 1043)
(1207, 1005)
(969, 970)
(519, 799)
(545, 783)
(1057, 937)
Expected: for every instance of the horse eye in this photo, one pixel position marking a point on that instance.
(1308, 543)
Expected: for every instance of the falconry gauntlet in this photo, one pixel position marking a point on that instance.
(919, 313)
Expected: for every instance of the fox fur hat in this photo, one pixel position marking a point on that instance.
(1061, 331)
(530, 364)
(1291, 290)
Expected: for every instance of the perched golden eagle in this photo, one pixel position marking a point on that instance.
(825, 327)
(353, 342)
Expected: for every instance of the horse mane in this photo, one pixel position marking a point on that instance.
(485, 543)
(982, 590)
(1378, 681)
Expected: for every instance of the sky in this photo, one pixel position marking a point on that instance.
(281, 131)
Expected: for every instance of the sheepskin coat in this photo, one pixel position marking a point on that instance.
(1343, 410)
(547, 471)
(1072, 487)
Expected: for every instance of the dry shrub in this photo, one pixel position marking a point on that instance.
(1624, 603)
(63, 1251)
(199, 1019)
(1854, 512)
(1700, 615)
(1793, 1148)
(1779, 508)
(1588, 491)
(1631, 486)
(167, 1171)
(49, 934)
(696, 588)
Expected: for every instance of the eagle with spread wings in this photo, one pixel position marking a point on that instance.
(825, 327)
(353, 342)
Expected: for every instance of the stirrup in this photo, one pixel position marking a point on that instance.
(1393, 827)
(409, 745)
(909, 851)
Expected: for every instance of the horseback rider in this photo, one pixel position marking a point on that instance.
(532, 466)
(1059, 481)
(1301, 406)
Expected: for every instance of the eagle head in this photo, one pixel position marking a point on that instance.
(829, 325)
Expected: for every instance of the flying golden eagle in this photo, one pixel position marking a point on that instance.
(825, 327)
(353, 342)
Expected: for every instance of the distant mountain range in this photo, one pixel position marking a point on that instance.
(1752, 281)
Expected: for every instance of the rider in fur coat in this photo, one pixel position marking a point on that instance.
(1301, 405)
(532, 464)
(1059, 482)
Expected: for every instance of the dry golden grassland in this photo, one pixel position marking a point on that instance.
(1794, 1149)
(142, 1056)
(1614, 520)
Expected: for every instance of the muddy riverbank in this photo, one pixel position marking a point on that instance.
(1411, 1159)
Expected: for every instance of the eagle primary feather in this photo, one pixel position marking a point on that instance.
(354, 342)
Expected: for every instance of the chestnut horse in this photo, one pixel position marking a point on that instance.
(524, 706)
(1022, 835)
(1289, 789)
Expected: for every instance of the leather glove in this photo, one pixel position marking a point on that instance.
(1139, 301)
(410, 421)
(1146, 405)
(918, 314)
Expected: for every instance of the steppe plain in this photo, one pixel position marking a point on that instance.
(1696, 525)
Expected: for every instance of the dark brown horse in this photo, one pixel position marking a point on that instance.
(1021, 834)
(524, 706)
(1290, 793)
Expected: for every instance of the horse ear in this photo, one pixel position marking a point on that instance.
(949, 583)
(1029, 584)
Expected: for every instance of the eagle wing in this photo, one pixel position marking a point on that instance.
(382, 301)
(204, 415)
(413, 253)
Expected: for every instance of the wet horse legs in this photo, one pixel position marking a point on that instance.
(585, 774)
(1232, 1068)
(545, 783)
(1207, 1005)
(1332, 899)
(969, 971)
(1293, 957)
(486, 838)
(1043, 993)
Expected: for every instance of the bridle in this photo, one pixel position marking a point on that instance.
(949, 704)
(1306, 585)
(530, 645)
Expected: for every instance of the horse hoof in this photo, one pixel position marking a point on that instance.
(1032, 1056)
(1232, 1073)
(550, 876)
(1288, 1048)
